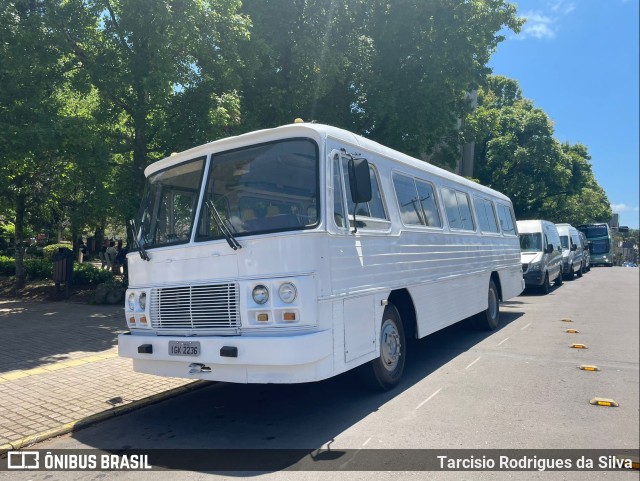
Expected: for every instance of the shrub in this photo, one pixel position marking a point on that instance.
(38, 268)
(7, 266)
(87, 274)
(52, 249)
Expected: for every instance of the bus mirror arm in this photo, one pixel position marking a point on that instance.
(136, 241)
(355, 225)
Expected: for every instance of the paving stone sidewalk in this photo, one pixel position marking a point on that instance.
(60, 370)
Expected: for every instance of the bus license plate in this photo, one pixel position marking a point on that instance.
(184, 348)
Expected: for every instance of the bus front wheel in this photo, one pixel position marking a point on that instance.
(384, 372)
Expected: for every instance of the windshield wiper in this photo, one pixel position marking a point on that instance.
(141, 250)
(224, 228)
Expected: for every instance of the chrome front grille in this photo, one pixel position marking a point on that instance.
(212, 308)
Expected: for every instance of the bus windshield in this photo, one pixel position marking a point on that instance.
(600, 246)
(531, 242)
(169, 204)
(265, 188)
(270, 187)
(594, 231)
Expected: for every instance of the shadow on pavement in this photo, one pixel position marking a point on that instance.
(300, 416)
(42, 333)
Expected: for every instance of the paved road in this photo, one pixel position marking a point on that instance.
(518, 387)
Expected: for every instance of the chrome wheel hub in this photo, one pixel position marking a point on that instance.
(390, 348)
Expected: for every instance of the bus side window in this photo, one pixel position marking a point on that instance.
(506, 220)
(486, 215)
(428, 201)
(458, 211)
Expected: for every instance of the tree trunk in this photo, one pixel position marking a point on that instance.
(21, 273)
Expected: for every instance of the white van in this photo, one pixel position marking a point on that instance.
(572, 250)
(541, 254)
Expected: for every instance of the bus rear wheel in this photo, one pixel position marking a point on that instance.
(489, 318)
(384, 372)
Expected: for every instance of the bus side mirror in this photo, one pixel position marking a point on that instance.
(574, 247)
(359, 180)
(549, 249)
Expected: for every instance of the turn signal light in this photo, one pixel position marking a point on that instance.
(263, 317)
(143, 320)
(289, 316)
(132, 320)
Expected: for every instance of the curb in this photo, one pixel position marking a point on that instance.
(102, 416)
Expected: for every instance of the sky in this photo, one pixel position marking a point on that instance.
(578, 61)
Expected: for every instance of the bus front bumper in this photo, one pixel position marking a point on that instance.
(240, 359)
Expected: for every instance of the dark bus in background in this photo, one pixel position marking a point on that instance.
(600, 243)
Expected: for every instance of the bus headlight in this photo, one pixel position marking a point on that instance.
(142, 300)
(131, 300)
(287, 292)
(260, 294)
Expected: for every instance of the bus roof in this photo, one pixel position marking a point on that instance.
(318, 132)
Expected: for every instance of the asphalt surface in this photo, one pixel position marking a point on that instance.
(519, 387)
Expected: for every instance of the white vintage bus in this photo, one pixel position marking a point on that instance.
(297, 253)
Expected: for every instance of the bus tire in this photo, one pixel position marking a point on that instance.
(489, 318)
(384, 372)
(579, 271)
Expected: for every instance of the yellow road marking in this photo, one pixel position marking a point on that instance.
(599, 401)
(11, 376)
(587, 367)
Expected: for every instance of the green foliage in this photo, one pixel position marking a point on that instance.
(35, 268)
(52, 249)
(89, 275)
(111, 86)
(7, 266)
(397, 72)
(38, 269)
(516, 153)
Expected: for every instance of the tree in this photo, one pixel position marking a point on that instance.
(516, 153)
(397, 72)
(156, 65)
(31, 69)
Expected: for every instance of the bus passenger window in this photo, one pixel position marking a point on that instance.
(428, 202)
(486, 216)
(451, 207)
(458, 211)
(506, 220)
(408, 202)
(416, 201)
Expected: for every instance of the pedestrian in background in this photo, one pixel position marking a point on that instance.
(110, 255)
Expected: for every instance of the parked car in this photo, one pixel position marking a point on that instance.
(586, 262)
(572, 250)
(540, 254)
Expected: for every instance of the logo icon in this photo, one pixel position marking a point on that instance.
(23, 460)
